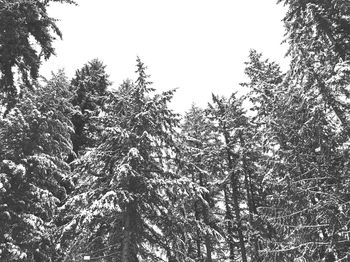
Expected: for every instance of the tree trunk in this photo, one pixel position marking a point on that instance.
(205, 213)
(208, 244)
(229, 218)
(332, 102)
(235, 193)
(238, 217)
(129, 241)
(250, 202)
(251, 209)
(197, 216)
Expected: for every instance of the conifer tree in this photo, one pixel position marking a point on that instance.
(304, 135)
(21, 22)
(230, 119)
(314, 125)
(267, 98)
(203, 166)
(34, 143)
(90, 89)
(129, 188)
(319, 47)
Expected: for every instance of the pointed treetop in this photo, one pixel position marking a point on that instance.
(142, 82)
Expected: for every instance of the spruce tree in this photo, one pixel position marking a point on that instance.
(34, 178)
(129, 188)
(230, 120)
(304, 133)
(90, 90)
(314, 128)
(200, 152)
(21, 22)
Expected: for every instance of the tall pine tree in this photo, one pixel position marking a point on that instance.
(26, 36)
(35, 142)
(129, 187)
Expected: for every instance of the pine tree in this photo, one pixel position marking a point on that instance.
(230, 117)
(129, 189)
(304, 136)
(203, 166)
(35, 141)
(267, 99)
(318, 36)
(90, 88)
(313, 123)
(20, 23)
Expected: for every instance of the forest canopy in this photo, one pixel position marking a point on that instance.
(94, 171)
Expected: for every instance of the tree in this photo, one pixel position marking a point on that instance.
(313, 121)
(128, 187)
(90, 90)
(200, 151)
(315, 24)
(35, 141)
(268, 100)
(26, 35)
(221, 156)
(230, 120)
(304, 140)
(318, 35)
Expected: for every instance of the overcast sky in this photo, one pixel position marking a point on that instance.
(198, 46)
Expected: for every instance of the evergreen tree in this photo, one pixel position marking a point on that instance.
(318, 36)
(21, 22)
(90, 88)
(267, 98)
(313, 121)
(128, 188)
(230, 121)
(203, 166)
(304, 136)
(34, 143)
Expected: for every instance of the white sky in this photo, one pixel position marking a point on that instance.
(198, 46)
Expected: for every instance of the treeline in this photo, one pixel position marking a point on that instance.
(87, 169)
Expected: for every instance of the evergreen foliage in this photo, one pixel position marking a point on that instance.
(26, 36)
(127, 185)
(201, 153)
(35, 141)
(87, 169)
(90, 89)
